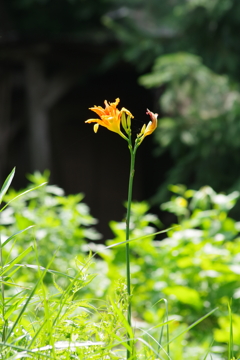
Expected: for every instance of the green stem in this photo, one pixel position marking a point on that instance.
(129, 202)
(2, 291)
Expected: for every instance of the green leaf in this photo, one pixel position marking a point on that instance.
(13, 236)
(13, 307)
(24, 193)
(6, 184)
(27, 301)
(186, 295)
(230, 344)
(191, 326)
(42, 268)
(15, 261)
(138, 238)
(24, 351)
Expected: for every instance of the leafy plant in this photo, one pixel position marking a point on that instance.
(199, 127)
(42, 322)
(61, 223)
(196, 267)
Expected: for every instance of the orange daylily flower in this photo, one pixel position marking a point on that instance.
(151, 126)
(110, 117)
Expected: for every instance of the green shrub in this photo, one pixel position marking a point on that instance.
(196, 267)
(199, 125)
(188, 274)
(62, 224)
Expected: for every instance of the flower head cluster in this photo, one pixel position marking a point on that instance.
(112, 118)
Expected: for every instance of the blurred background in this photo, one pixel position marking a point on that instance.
(179, 58)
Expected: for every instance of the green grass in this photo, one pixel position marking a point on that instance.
(75, 306)
(38, 323)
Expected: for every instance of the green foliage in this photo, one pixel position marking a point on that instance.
(60, 325)
(37, 323)
(200, 126)
(196, 267)
(149, 29)
(61, 223)
(209, 28)
(80, 312)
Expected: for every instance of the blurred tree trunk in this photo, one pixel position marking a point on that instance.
(39, 141)
(5, 123)
(43, 93)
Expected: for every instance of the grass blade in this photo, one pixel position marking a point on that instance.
(139, 238)
(123, 320)
(17, 233)
(230, 344)
(165, 320)
(26, 304)
(191, 326)
(205, 357)
(24, 193)
(54, 272)
(6, 184)
(150, 347)
(158, 344)
(25, 351)
(16, 260)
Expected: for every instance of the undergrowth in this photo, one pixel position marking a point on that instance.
(74, 307)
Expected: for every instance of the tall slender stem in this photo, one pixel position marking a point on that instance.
(2, 290)
(129, 202)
